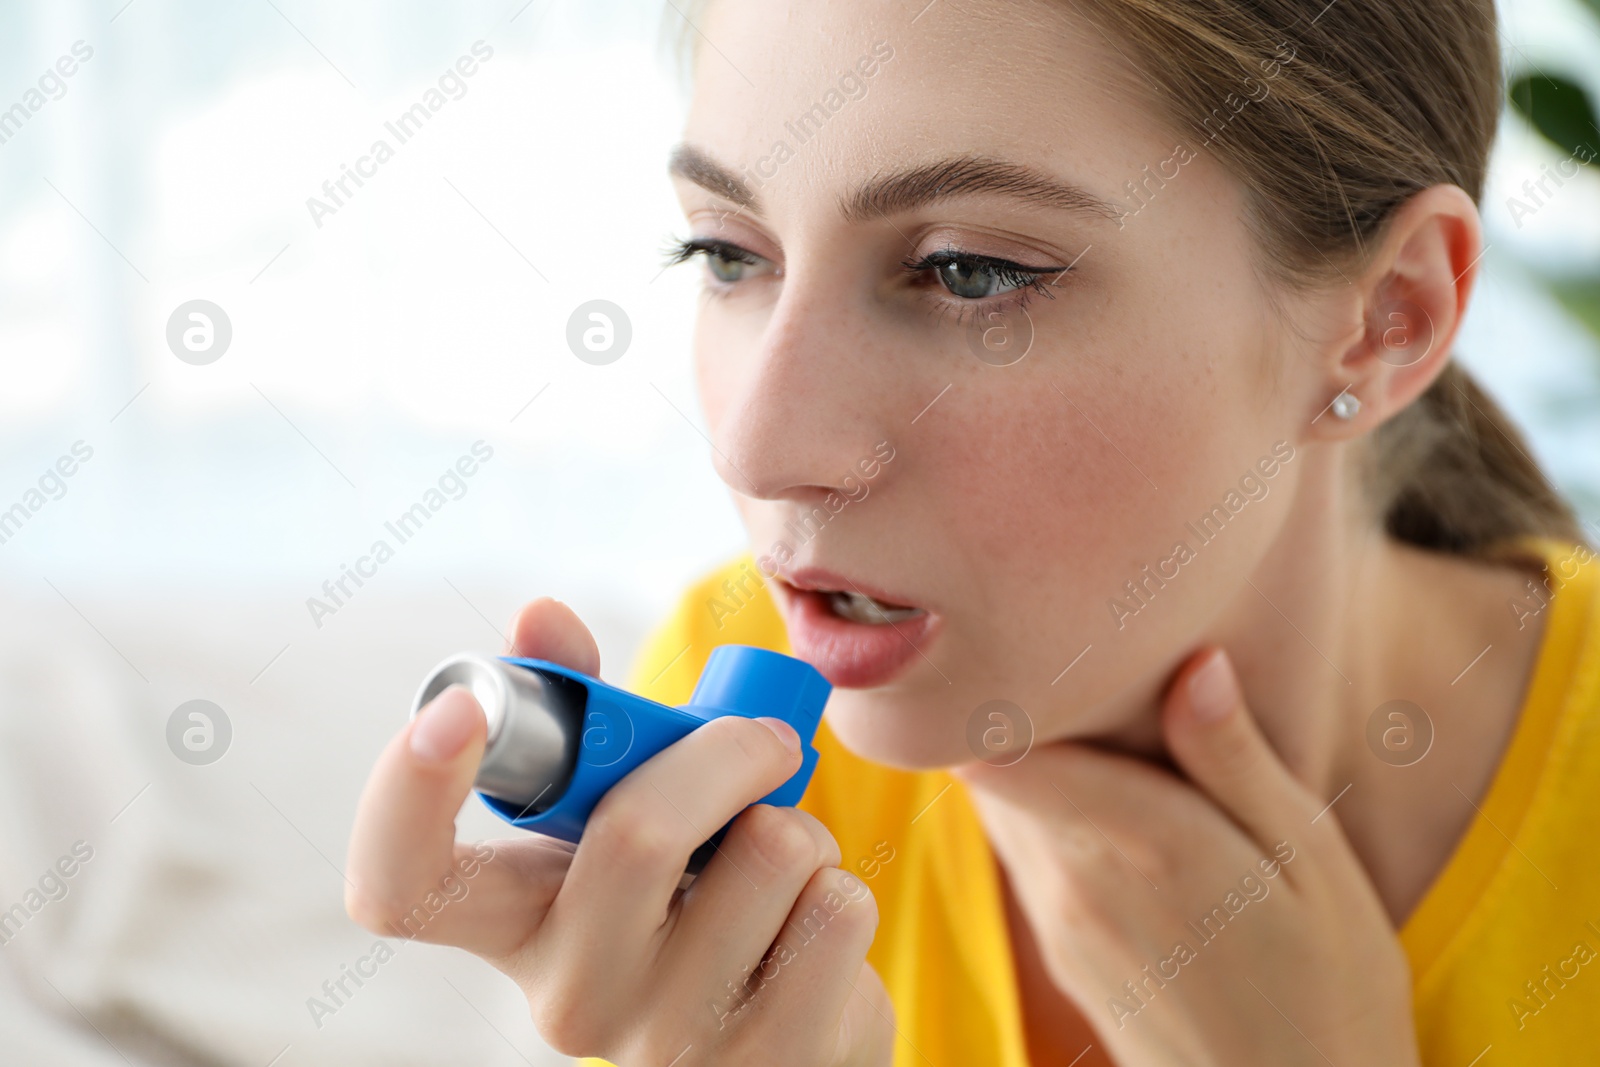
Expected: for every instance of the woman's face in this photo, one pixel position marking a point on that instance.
(951, 356)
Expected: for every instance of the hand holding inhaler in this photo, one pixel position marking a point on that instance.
(558, 738)
(615, 958)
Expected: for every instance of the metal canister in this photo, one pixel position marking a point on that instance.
(535, 726)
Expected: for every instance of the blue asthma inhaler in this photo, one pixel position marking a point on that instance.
(558, 739)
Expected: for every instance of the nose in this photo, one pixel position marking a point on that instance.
(806, 409)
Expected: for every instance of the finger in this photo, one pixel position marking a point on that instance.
(737, 905)
(1095, 800)
(1215, 740)
(547, 629)
(867, 1031)
(811, 976)
(1124, 842)
(642, 832)
(1112, 820)
(407, 875)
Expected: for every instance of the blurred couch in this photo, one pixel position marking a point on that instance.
(203, 912)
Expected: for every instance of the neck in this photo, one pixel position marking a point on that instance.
(1336, 622)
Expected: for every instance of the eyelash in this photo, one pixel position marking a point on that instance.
(682, 250)
(1025, 281)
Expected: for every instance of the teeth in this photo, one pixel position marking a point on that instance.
(858, 608)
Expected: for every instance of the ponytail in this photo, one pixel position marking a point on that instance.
(1453, 474)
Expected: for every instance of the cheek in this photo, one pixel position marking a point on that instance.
(715, 345)
(1137, 404)
(1070, 486)
(1029, 486)
(1058, 490)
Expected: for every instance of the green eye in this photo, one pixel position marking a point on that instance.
(979, 277)
(974, 281)
(723, 268)
(726, 262)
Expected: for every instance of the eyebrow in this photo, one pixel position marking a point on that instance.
(967, 175)
(691, 163)
(918, 186)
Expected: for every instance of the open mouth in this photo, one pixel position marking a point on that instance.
(846, 598)
(858, 607)
(857, 638)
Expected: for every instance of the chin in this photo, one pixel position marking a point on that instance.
(896, 729)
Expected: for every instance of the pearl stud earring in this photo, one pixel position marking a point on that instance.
(1345, 405)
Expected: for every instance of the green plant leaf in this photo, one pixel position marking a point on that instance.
(1559, 109)
(1581, 297)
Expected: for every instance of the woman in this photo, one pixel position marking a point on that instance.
(1216, 676)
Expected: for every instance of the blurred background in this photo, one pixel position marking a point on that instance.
(351, 347)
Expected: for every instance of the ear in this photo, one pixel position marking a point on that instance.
(1411, 299)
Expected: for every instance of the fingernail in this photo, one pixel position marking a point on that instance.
(785, 732)
(1213, 689)
(445, 725)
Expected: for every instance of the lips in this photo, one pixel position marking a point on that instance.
(857, 635)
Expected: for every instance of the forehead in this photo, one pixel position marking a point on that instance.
(821, 94)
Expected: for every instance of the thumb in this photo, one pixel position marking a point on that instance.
(404, 834)
(1215, 740)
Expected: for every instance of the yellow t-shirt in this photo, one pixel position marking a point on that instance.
(1504, 947)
